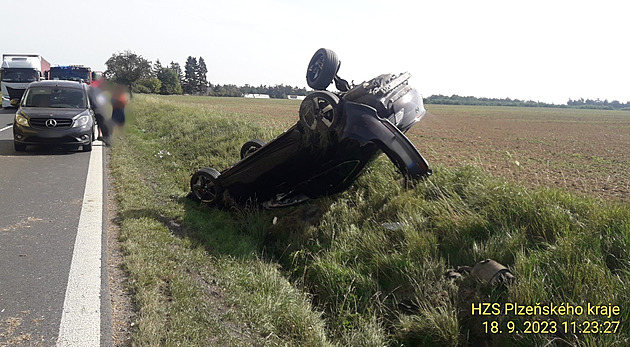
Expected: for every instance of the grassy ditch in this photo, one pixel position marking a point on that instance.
(329, 272)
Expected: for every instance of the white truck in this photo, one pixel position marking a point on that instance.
(17, 71)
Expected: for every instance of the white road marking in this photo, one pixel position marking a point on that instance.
(6, 128)
(81, 317)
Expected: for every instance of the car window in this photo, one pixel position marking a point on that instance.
(55, 97)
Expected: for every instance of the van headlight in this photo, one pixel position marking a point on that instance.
(21, 119)
(81, 121)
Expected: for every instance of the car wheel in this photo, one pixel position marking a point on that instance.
(319, 111)
(322, 69)
(250, 147)
(205, 186)
(19, 147)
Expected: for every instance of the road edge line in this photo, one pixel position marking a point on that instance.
(81, 316)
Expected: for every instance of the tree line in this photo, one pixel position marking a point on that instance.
(143, 76)
(278, 91)
(579, 103)
(599, 104)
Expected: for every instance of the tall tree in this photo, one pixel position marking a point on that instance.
(178, 70)
(170, 81)
(201, 72)
(190, 75)
(157, 67)
(127, 68)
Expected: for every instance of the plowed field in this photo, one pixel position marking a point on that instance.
(586, 151)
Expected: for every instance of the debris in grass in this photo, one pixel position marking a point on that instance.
(492, 272)
(458, 273)
(488, 270)
(161, 153)
(393, 226)
(408, 306)
(453, 275)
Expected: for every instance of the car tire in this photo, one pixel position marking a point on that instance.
(319, 111)
(88, 147)
(322, 69)
(250, 147)
(205, 186)
(19, 147)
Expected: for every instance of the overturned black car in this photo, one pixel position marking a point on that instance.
(336, 136)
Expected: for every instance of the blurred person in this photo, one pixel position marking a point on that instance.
(98, 101)
(119, 101)
(97, 79)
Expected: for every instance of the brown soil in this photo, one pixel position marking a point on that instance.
(585, 151)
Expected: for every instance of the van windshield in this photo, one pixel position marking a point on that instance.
(19, 75)
(55, 97)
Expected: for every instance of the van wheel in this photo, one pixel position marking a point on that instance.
(19, 147)
(88, 147)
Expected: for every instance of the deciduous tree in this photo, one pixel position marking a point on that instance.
(148, 85)
(127, 68)
(178, 70)
(170, 81)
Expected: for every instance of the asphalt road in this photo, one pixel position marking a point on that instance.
(41, 202)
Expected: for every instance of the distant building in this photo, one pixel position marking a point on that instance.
(296, 97)
(256, 96)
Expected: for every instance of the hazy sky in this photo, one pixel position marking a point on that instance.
(540, 50)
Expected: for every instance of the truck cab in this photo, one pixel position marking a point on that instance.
(17, 72)
(77, 73)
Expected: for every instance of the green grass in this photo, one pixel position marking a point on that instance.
(328, 272)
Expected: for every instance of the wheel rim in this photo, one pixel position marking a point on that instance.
(249, 151)
(250, 147)
(316, 67)
(322, 115)
(204, 188)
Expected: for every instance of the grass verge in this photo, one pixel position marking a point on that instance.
(330, 273)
